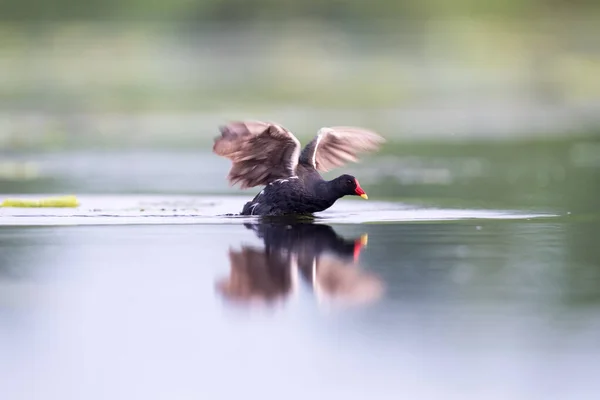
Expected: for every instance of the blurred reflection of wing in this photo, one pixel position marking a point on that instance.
(256, 277)
(338, 282)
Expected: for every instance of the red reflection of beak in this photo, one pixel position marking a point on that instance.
(359, 191)
(357, 248)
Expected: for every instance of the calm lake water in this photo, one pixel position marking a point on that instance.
(474, 272)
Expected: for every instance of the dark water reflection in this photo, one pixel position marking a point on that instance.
(481, 309)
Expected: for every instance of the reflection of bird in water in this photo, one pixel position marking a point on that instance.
(314, 252)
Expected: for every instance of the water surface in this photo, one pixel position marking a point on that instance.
(469, 275)
(466, 310)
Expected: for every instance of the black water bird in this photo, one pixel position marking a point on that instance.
(268, 154)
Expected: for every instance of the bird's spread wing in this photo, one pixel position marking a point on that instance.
(260, 151)
(335, 146)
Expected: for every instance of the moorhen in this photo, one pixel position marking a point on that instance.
(265, 153)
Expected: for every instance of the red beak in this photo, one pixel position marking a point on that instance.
(359, 191)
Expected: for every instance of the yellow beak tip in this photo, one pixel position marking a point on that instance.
(364, 196)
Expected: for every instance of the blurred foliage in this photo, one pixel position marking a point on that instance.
(133, 71)
(334, 11)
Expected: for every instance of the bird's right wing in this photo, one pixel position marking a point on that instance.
(335, 146)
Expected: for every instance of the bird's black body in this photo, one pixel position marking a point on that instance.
(304, 194)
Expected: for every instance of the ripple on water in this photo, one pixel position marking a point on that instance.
(124, 210)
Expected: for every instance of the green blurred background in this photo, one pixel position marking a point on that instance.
(491, 105)
(488, 102)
